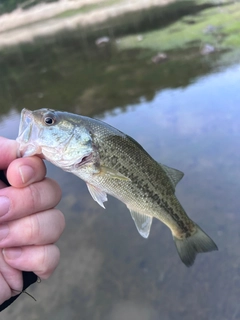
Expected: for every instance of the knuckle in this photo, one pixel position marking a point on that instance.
(43, 260)
(48, 260)
(55, 189)
(44, 194)
(35, 197)
(31, 229)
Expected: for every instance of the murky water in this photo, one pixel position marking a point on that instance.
(185, 113)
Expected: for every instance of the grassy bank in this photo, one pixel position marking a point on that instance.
(218, 26)
(68, 69)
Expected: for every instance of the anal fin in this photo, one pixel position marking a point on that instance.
(97, 194)
(142, 222)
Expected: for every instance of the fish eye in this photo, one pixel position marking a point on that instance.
(49, 120)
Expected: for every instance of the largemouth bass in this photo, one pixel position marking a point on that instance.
(110, 162)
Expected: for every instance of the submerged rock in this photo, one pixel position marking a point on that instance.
(139, 37)
(160, 57)
(103, 41)
(207, 49)
(210, 29)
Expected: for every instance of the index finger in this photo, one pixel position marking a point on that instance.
(8, 152)
(36, 197)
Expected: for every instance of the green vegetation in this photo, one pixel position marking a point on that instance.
(217, 26)
(68, 69)
(90, 79)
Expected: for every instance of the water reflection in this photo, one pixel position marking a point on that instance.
(68, 71)
(55, 79)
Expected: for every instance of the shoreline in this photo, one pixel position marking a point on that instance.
(41, 20)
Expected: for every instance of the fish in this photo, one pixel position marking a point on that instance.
(113, 163)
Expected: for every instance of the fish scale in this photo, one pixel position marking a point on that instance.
(145, 177)
(111, 162)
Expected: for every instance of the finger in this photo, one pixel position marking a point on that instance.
(38, 229)
(18, 203)
(5, 291)
(10, 279)
(42, 260)
(24, 171)
(8, 152)
(2, 185)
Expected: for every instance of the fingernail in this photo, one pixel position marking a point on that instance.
(4, 231)
(26, 173)
(12, 253)
(4, 205)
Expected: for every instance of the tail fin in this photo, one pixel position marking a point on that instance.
(189, 247)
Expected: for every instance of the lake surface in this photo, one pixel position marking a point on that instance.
(185, 113)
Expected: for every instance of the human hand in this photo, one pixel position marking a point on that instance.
(29, 224)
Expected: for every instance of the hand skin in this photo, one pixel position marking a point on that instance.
(30, 225)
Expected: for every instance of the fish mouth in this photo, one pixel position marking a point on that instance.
(27, 135)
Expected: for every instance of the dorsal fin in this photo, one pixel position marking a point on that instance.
(142, 222)
(174, 175)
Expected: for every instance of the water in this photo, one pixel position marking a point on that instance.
(186, 115)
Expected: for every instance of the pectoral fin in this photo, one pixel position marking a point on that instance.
(98, 195)
(142, 222)
(113, 173)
